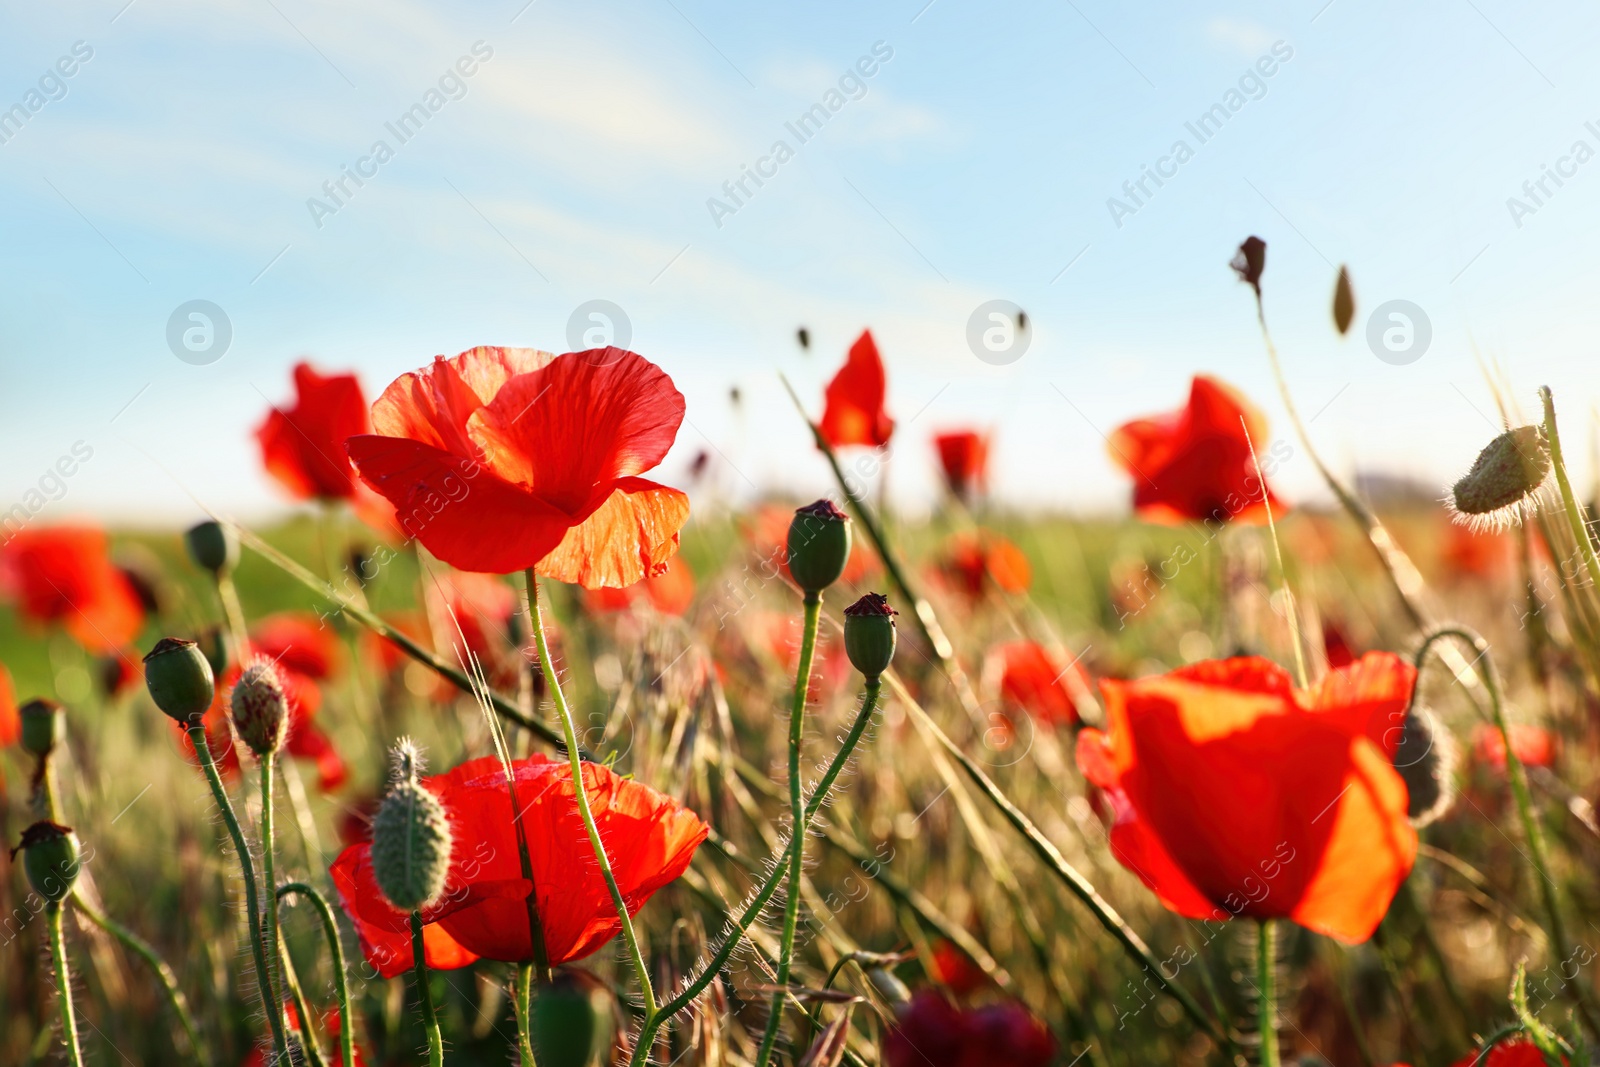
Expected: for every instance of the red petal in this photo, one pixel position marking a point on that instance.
(432, 405)
(388, 950)
(854, 414)
(629, 537)
(303, 446)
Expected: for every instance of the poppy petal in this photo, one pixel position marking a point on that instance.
(432, 405)
(628, 538)
(388, 950)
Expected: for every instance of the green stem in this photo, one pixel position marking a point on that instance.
(58, 956)
(797, 818)
(523, 999)
(238, 636)
(280, 1040)
(302, 1009)
(269, 931)
(330, 929)
(581, 794)
(1580, 529)
(1267, 991)
(430, 1020)
(145, 951)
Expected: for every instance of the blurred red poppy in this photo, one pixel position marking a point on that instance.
(64, 574)
(299, 642)
(670, 592)
(502, 459)
(853, 413)
(10, 718)
(933, 1032)
(1467, 553)
(956, 970)
(1035, 680)
(972, 560)
(1194, 464)
(1517, 1053)
(331, 1022)
(471, 613)
(303, 446)
(649, 839)
(1534, 745)
(1234, 793)
(964, 455)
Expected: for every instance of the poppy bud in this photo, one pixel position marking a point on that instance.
(260, 708)
(213, 547)
(1426, 760)
(869, 634)
(1511, 469)
(50, 857)
(819, 545)
(572, 1021)
(411, 838)
(889, 987)
(179, 680)
(43, 724)
(1250, 261)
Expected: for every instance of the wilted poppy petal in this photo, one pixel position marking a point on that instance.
(629, 537)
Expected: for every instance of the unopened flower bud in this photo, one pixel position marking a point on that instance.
(1250, 261)
(260, 708)
(179, 680)
(213, 547)
(571, 1021)
(819, 545)
(50, 857)
(1426, 760)
(411, 838)
(869, 634)
(43, 725)
(1510, 470)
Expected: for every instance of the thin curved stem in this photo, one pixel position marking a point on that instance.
(330, 929)
(1267, 991)
(430, 1019)
(145, 951)
(581, 794)
(58, 956)
(202, 748)
(797, 818)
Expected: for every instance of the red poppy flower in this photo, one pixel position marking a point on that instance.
(670, 592)
(1466, 553)
(1534, 745)
(1194, 464)
(299, 642)
(10, 717)
(853, 414)
(956, 970)
(506, 458)
(1236, 794)
(1033, 679)
(768, 533)
(64, 574)
(1517, 1053)
(972, 560)
(933, 1032)
(387, 944)
(964, 455)
(649, 839)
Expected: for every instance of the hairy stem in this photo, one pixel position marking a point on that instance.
(58, 957)
(522, 1001)
(145, 951)
(430, 1020)
(330, 929)
(269, 931)
(1267, 991)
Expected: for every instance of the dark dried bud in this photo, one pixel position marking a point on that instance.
(180, 680)
(869, 634)
(213, 547)
(1250, 261)
(571, 1021)
(44, 724)
(803, 335)
(260, 708)
(819, 545)
(411, 838)
(1426, 760)
(50, 856)
(1510, 470)
(1344, 302)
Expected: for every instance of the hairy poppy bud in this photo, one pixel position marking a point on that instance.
(869, 634)
(1510, 470)
(819, 545)
(212, 546)
(1426, 760)
(1250, 261)
(260, 708)
(572, 1021)
(43, 725)
(50, 857)
(411, 838)
(179, 680)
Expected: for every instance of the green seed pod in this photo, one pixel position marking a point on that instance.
(819, 545)
(869, 634)
(1426, 760)
(50, 857)
(260, 708)
(44, 724)
(1510, 470)
(572, 1022)
(179, 679)
(213, 547)
(411, 838)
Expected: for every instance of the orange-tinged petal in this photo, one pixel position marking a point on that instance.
(629, 537)
(432, 405)
(853, 413)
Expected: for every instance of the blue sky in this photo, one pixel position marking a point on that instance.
(975, 163)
